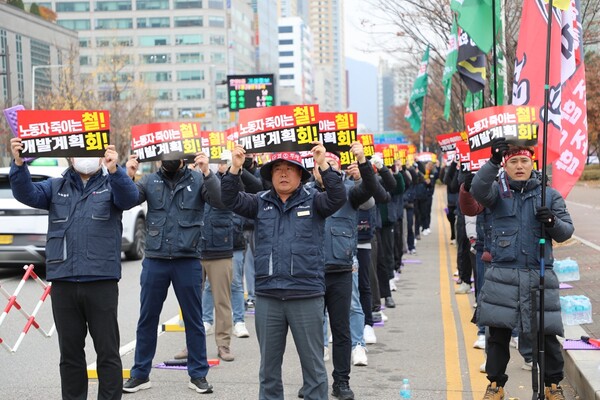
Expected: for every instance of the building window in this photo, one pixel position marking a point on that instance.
(149, 41)
(155, 58)
(182, 4)
(286, 41)
(163, 112)
(75, 24)
(217, 58)
(216, 22)
(122, 5)
(85, 42)
(217, 40)
(156, 76)
(190, 112)
(286, 65)
(190, 94)
(182, 22)
(78, 6)
(125, 41)
(182, 40)
(197, 75)
(189, 58)
(286, 53)
(85, 60)
(152, 4)
(163, 22)
(286, 77)
(114, 23)
(286, 29)
(215, 4)
(162, 94)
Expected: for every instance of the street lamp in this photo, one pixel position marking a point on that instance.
(33, 70)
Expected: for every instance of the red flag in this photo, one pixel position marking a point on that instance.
(567, 129)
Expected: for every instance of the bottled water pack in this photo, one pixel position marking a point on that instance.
(576, 310)
(566, 270)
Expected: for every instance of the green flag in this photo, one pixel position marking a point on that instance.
(475, 17)
(473, 101)
(414, 109)
(450, 67)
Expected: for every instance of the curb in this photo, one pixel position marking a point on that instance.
(582, 367)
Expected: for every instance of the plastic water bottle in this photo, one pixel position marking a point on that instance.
(405, 390)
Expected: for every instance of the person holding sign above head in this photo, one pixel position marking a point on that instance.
(289, 262)
(83, 261)
(176, 196)
(505, 301)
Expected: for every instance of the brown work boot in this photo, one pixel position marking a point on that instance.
(182, 355)
(494, 392)
(224, 353)
(554, 392)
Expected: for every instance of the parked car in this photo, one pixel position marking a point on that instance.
(23, 229)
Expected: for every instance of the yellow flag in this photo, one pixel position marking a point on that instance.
(561, 4)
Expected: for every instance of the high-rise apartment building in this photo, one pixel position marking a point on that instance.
(28, 41)
(296, 82)
(326, 21)
(181, 49)
(266, 13)
(394, 87)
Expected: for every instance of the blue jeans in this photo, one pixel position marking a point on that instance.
(237, 293)
(304, 317)
(357, 317)
(249, 263)
(186, 276)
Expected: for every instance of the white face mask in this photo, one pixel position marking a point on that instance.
(86, 165)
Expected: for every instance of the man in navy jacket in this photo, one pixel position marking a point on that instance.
(83, 261)
(289, 262)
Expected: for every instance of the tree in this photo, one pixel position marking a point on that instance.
(592, 70)
(16, 3)
(34, 9)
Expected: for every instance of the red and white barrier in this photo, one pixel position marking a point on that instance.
(31, 321)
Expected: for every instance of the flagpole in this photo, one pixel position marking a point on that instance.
(422, 138)
(494, 54)
(541, 336)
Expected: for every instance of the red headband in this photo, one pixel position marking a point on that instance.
(522, 152)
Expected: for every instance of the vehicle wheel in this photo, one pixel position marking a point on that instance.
(136, 251)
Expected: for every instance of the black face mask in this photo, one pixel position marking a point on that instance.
(171, 166)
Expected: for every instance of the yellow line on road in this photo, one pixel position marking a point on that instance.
(454, 385)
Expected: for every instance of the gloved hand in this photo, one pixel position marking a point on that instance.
(377, 161)
(468, 181)
(545, 216)
(499, 148)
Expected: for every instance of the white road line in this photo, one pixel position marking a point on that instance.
(583, 205)
(587, 243)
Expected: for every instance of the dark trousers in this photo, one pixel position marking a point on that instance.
(373, 280)
(410, 228)
(463, 251)
(304, 317)
(338, 295)
(423, 214)
(385, 260)
(498, 355)
(398, 244)
(78, 307)
(364, 284)
(156, 277)
(451, 215)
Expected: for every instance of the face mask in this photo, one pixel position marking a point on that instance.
(86, 166)
(171, 166)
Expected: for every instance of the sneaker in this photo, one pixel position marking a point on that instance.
(413, 252)
(359, 356)
(389, 302)
(397, 274)
(554, 392)
(455, 273)
(418, 237)
(426, 231)
(482, 367)
(325, 353)
(527, 366)
(224, 353)
(369, 335)
(393, 287)
(384, 317)
(514, 342)
(494, 392)
(377, 317)
(452, 242)
(200, 385)
(135, 384)
(463, 288)
(182, 355)
(239, 330)
(301, 393)
(330, 338)
(342, 390)
(480, 342)
(249, 303)
(209, 329)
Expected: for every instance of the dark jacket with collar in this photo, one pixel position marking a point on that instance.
(288, 258)
(176, 212)
(84, 223)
